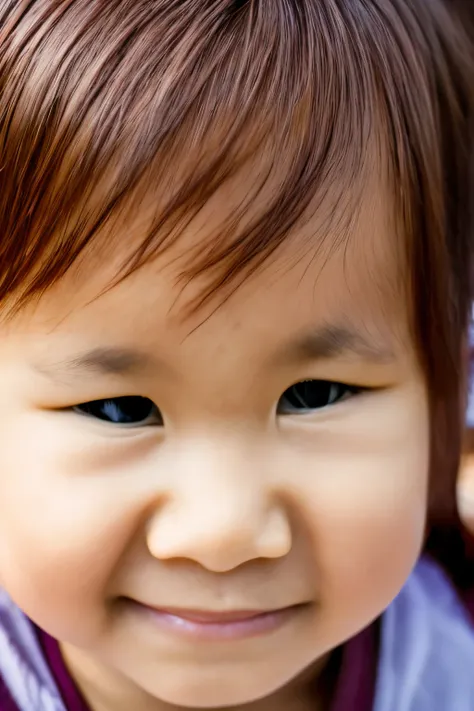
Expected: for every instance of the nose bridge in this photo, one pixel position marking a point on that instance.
(221, 512)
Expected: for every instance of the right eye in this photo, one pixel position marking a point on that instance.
(132, 411)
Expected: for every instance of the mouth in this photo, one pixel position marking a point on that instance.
(219, 625)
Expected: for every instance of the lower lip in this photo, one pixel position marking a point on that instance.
(214, 630)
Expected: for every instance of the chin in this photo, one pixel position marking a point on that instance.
(212, 688)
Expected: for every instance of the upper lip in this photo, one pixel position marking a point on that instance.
(214, 616)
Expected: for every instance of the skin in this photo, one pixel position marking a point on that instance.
(230, 504)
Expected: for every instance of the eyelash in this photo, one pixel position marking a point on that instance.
(303, 392)
(137, 411)
(301, 398)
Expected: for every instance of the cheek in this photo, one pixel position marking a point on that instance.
(367, 522)
(61, 538)
(366, 552)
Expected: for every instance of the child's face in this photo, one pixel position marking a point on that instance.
(227, 496)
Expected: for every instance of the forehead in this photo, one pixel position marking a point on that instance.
(331, 271)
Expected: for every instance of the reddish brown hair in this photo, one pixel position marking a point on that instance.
(102, 99)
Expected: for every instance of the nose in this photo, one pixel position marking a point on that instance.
(219, 516)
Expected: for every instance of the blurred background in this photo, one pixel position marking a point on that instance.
(466, 479)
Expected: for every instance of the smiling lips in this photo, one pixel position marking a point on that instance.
(231, 625)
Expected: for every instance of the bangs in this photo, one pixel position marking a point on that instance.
(107, 105)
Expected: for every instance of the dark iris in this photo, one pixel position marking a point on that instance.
(312, 395)
(130, 410)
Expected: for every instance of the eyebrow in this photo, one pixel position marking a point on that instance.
(321, 344)
(100, 361)
(331, 341)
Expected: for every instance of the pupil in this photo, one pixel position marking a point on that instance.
(123, 410)
(310, 395)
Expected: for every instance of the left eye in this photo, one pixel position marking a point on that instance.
(313, 395)
(131, 410)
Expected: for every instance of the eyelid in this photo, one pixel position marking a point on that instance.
(86, 410)
(105, 423)
(352, 391)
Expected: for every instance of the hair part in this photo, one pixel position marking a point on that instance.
(105, 103)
